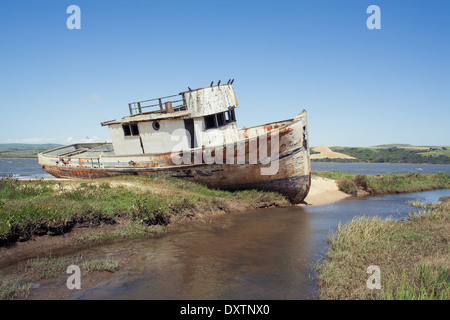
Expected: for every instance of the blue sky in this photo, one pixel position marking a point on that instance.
(360, 87)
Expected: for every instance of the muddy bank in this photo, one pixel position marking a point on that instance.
(81, 234)
(72, 235)
(161, 214)
(33, 210)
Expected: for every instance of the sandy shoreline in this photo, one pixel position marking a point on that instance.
(323, 191)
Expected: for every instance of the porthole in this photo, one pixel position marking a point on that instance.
(155, 125)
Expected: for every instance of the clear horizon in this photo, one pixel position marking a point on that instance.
(360, 87)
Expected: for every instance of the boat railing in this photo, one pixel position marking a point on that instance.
(167, 104)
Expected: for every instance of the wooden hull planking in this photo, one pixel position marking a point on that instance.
(241, 168)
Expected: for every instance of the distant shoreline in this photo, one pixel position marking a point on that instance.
(383, 154)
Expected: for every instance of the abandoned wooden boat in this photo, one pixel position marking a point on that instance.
(193, 136)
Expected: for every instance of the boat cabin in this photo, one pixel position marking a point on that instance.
(190, 119)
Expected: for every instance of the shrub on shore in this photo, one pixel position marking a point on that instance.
(347, 185)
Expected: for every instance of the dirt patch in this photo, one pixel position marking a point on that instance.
(21, 234)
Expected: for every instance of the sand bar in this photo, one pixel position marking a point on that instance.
(323, 191)
(326, 152)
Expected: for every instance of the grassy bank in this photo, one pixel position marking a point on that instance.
(140, 205)
(413, 257)
(386, 183)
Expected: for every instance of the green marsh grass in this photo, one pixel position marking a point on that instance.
(29, 208)
(118, 208)
(413, 256)
(387, 183)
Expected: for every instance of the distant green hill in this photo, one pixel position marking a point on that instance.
(24, 150)
(396, 153)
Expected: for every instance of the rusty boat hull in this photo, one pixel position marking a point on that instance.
(281, 163)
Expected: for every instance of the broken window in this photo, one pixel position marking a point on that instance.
(232, 115)
(220, 119)
(126, 130)
(210, 122)
(227, 117)
(134, 129)
(130, 130)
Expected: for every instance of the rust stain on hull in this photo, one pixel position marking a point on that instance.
(292, 179)
(294, 188)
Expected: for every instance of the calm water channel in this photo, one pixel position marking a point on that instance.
(263, 254)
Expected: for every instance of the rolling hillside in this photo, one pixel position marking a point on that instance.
(23, 150)
(390, 153)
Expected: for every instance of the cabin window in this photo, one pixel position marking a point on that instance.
(232, 115)
(130, 130)
(156, 125)
(227, 117)
(134, 129)
(210, 122)
(126, 130)
(220, 119)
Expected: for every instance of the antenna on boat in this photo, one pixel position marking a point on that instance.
(229, 81)
(218, 82)
(189, 89)
(232, 81)
(211, 83)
